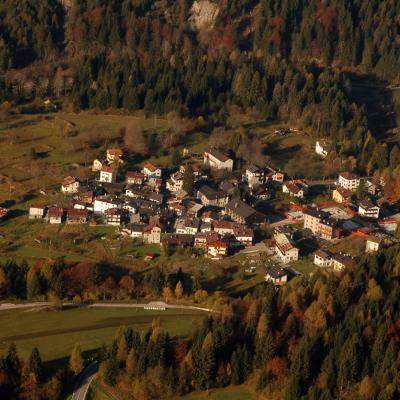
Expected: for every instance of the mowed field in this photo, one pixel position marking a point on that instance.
(56, 332)
(229, 393)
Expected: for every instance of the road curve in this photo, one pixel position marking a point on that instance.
(83, 382)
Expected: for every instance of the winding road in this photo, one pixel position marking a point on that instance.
(83, 382)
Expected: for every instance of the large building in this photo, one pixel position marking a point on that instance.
(321, 223)
(285, 248)
(241, 212)
(349, 181)
(368, 209)
(215, 159)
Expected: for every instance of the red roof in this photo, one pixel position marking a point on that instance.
(106, 168)
(151, 167)
(115, 152)
(69, 180)
(218, 243)
(134, 175)
(77, 213)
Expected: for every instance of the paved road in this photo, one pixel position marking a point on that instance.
(152, 305)
(84, 381)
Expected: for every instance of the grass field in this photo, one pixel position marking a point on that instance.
(230, 393)
(55, 333)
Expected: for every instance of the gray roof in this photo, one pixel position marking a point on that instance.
(240, 208)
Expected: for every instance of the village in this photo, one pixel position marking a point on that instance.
(207, 205)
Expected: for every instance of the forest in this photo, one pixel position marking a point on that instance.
(323, 336)
(290, 60)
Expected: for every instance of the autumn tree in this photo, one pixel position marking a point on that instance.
(76, 361)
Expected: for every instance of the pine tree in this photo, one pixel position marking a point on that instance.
(35, 364)
(188, 180)
(33, 284)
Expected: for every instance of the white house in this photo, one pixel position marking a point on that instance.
(98, 164)
(372, 244)
(175, 182)
(285, 248)
(322, 147)
(70, 185)
(367, 209)
(151, 171)
(322, 259)
(213, 158)
(108, 174)
(294, 189)
(101, 204)
(36, 211)
(349, 181)
(276, 275)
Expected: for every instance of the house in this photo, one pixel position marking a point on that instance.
(276, 275)
(55, 215)
(3, 212)
(371, 187)
(152, 234)
(108, 174)
(341, 261)
(175, 182)
(349, 181)
(188, 226)
(70, 185)
(367, 209)
(244, 235)
(261, 193)
(36, 211)
(215, 159)
(98, 164)
(322, 259)
(241, 212)
(341, 195)
(193, 208)
(151, 171)
(114, 155)
(76, 216)
(210, 197)
(285, 248)
(134, 230)
(177, 240)
(218, 249)
(202, 239)
(322, 147)
(223, 227)
(295, 189)
(155, 183)
(101, 204)
(254, 175)
(130, 207)
(321, 223)
(86, 197)
(113, 216)
(372, 244)
(274, 175)
(134, 178)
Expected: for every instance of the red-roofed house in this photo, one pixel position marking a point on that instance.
(217, 249)
(108, 174)
(70, 185)
(151, 171)
(114, 155)
(134, 178)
